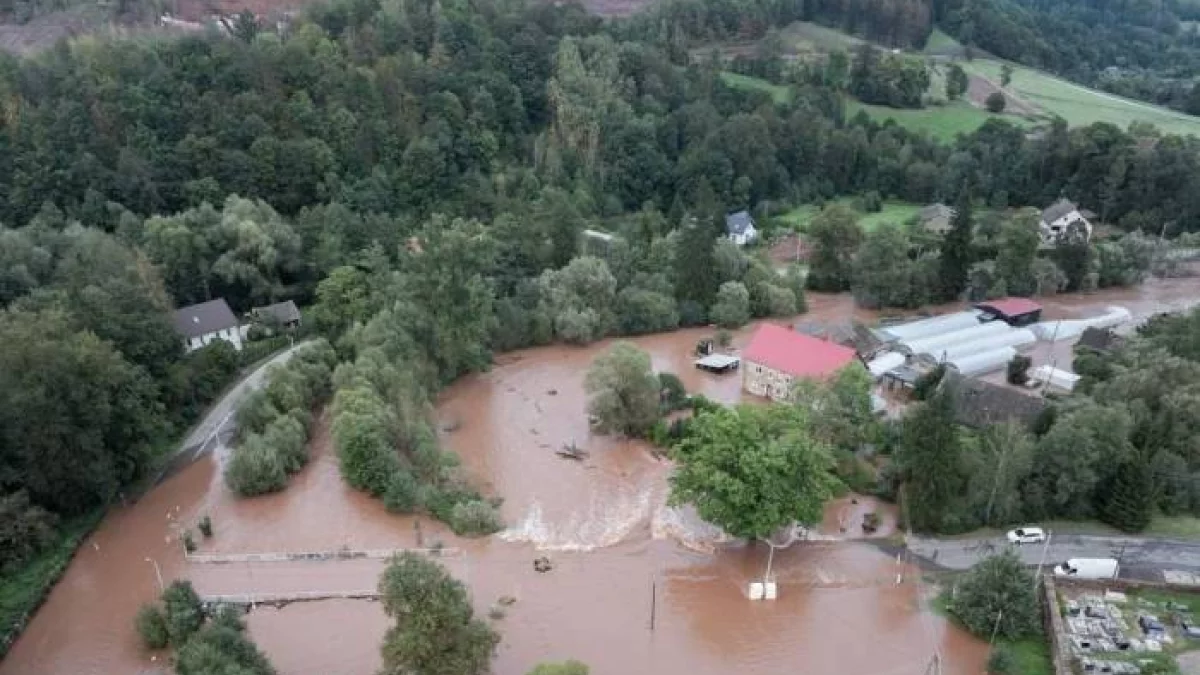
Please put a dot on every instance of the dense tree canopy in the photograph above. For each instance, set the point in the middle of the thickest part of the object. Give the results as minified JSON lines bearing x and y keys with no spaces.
{"x":753,"y":470}
{"x":435,"y":630}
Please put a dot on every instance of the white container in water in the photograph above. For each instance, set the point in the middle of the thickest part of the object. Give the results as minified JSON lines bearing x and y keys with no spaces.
{"x":762,"y":591}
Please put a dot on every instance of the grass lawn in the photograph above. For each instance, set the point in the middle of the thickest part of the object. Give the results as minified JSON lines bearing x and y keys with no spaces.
{"x":807,"y":36}
{"x":1079,"y":105}
{"x":1171,"y":527}
{"x":892,"y":212}
{"x":1032,"y":654}
{"x":23,"y":591}
{"x":942,"y":122}
{"x":940,"y":43}
{"x":779,"y":93}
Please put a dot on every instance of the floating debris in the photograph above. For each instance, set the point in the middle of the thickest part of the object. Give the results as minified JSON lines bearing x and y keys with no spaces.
{"x":572,"y":451}
{"x":542,"y":564}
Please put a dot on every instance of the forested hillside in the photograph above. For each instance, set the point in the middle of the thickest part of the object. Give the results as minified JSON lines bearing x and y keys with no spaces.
{"x":381,"y":158}
{"x":1147,"y":50}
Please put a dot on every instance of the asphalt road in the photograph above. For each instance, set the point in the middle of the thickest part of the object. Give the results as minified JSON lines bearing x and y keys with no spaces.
{"x":220,"y":417}
{"x":1140,"y":558}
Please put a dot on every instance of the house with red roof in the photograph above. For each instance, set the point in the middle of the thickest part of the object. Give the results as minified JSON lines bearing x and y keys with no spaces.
{"x":1012,"y":311}
{"x":776,"y":357}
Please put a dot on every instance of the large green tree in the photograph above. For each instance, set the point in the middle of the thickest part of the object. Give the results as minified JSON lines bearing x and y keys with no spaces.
{"x":957,"y":254}
{"x":753,"y":469}
{"x":835,"y":236}
{"x":623,"y":391}
{"x":435,"y":630}
{"x":998,"y":596}
{"x":930,"y":460}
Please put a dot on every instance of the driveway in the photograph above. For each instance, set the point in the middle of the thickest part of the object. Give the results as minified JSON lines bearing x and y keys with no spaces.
{"x":1140,"y":557}
{"x":219,"y":421}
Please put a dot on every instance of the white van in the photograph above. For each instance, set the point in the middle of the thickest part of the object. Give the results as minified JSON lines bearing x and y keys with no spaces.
{"x":1088,"y":568}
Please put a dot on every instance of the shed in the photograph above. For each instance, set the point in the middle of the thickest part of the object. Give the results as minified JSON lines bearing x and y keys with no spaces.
{"x":980,"y":404}
{"x":718,"y":363}
{"x":285,"y":313}
{"x":903,"y":378}
{"x":1013,"y":311}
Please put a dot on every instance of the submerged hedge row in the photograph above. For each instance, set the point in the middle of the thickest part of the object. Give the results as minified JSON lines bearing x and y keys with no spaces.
{"x":388,"y":449}
{"x":273,"y":422}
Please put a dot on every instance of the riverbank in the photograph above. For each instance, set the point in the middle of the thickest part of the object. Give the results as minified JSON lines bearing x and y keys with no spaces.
{"x":603,"y":522}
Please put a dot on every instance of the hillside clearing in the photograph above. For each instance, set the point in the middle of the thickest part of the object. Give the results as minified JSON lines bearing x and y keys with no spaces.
{"x":778,"y":92}
{"x":1079,"y":105}
{"x":943,"y":122}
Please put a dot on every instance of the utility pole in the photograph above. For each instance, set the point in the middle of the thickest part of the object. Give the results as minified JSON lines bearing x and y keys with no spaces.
{"x":1045,"y":550}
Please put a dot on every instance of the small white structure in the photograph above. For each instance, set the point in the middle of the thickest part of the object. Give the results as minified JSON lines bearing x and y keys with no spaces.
{"x":937,"y":325}
{"x":1061,"y":220}
{"x":760,"y":590}
{"x":739,"y":227}
{"x":200,"y":324}
{"x":718,"y":363}
{"x":1054,"y":377}
{"x":885,"y":362}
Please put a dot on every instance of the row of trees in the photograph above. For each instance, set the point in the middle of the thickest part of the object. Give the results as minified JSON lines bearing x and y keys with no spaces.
{"x":273,"y":422}
{"x":1121,"y":450}
{"x":995,"y":255}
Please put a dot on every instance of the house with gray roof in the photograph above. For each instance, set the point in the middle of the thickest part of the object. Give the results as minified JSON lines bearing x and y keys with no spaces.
{"x":978,"y":404}
{"x":200,"y":324}
{"x":739,"y":227}
{"x":937,"y":218}
{"x":1063,"y":220}
{"x":285,"y":314}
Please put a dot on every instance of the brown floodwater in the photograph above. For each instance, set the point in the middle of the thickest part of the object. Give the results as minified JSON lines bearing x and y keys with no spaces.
{"x":618,"y":550}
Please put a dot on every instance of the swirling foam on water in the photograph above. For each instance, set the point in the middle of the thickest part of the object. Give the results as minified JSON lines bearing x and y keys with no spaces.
{"x":604,"y":523}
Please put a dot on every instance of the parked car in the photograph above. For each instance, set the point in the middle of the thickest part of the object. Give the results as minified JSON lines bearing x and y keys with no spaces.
{"x":1189,"y":628}
{"x":1151,"y":626}
{"x":1088,"y":568}
{"x":1026,"y":535}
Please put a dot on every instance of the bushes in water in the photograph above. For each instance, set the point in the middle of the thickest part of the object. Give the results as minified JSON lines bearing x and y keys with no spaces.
{"x":152,"y":627}
{"x":390,"y":451}
{"x":204,"y":644}
{"x":183,"y":611}
{"x":273,"y":423}
{"x":474,"y":517}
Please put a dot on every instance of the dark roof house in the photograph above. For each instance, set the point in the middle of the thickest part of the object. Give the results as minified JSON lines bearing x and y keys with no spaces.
{"x":1057,"y":210}
{"x":739,"y":224}
{"x":1013,"y":311}
{"x":936,"y":218}
{"x":203,"y":319}
{"x":979,"y":404}
{"x":285,"y":313}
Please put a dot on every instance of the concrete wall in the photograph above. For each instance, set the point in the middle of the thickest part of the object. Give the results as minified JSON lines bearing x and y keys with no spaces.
{"x":1060,"y":652}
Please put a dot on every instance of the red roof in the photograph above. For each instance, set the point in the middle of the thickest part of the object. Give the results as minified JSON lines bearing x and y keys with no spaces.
{"x":794,"y":353}
{"x":1011,"y":306}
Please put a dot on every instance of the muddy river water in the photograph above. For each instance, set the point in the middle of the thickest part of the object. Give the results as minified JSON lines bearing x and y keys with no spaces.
{"x":844,"y":607}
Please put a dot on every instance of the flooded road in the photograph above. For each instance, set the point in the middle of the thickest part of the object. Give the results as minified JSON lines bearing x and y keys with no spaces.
{"x":602,"y":521}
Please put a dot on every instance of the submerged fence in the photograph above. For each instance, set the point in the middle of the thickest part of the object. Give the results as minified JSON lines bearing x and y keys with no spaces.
{"x":318,"y":556}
